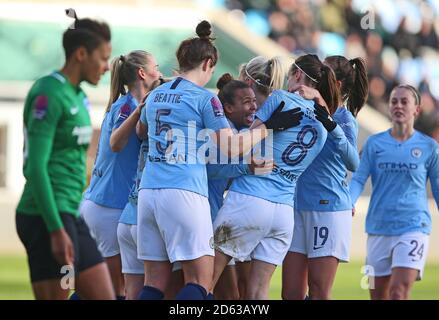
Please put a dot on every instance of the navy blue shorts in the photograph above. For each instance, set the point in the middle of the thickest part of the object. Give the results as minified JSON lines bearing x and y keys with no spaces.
{"x":35,"y":237}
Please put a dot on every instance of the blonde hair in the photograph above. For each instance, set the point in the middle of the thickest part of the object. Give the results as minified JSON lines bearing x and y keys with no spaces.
{"x":124,"y":72}
{"x":268,"y":74}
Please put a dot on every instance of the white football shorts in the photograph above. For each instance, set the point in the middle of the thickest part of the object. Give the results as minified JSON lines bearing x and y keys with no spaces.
{"x":408,"y":250}
{"x":102,"y":222}
{"x":250,"y":226}
{"x":322,"y":234}
{"x":174,"y":225}
{"x":127,"y":237}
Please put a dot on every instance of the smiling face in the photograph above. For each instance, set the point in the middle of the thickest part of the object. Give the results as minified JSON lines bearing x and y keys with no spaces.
{"x":95,"y":63}
{"x":403,"y":106}
{"x":243,"y":110}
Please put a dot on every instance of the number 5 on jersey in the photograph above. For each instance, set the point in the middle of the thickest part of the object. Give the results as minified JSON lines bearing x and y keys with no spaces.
{"x":159,"y":127}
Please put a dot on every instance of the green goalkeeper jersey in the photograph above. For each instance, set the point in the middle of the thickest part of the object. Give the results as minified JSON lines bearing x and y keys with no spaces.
{"x":57,"y":132}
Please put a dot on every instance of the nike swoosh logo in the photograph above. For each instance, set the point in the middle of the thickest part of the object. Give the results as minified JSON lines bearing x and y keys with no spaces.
{"x":316,"y":248}
{"x":74,"y":110}
{"x":379,"y":151}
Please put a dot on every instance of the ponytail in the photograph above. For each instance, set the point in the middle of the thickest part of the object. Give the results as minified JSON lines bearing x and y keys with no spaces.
{"x":320,"y":77}
{"x":124,"y":72}
{"x":327,"y":86}
{"x":277,"y":73}
{"x":358,"y":93}
{"x":354,"y":83}
{"x":117,"y":87}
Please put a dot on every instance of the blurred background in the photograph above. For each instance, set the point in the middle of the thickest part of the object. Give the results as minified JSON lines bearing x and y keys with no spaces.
{"x":398,"y":38}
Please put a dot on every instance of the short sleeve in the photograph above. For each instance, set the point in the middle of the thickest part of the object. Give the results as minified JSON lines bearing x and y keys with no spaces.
{"x":121,"y":115}
{"x":212,"y":114}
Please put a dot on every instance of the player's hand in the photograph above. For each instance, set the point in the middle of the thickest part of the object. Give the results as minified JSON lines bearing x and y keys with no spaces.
{"x":154,"y":85}
{"x":323,"y":116}
{"x":308,"y":92}
{"x":261,"y":166}
{"x":282,"y":120}
{"x":62,"y":247}
{"x":139,"y":108}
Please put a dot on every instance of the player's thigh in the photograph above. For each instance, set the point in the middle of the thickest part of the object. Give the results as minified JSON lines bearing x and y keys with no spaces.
{"x":379,"y":288}
{"x":379,"y":255}
{"x":43,"y":267}
{"x":127,"y":237}
{"x":321,"y":273}
{"x":133,"y":285}
{"x":94,"y":283}
{"x":298,"y":243}
{"x":199,"y":270}
{"x":227,"y":286}
{"x":185,"y":224}
{"x":102,"y":222}
{"x":294,"y":276}
{"x":260,"y":277}
{"x":240,"y":224}
{"x":410,"y":251}
{"x":328,"y":234}
{"x":150,"y":243}
{"x":274,"y":246}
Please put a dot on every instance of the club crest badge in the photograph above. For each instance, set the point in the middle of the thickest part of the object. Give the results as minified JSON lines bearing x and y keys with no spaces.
{"x":416,"y":153}
{"x":40,"y":107}
{"x":217,"y":107}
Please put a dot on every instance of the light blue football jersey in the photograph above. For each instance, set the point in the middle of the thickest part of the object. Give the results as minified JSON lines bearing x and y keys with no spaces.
{"x":293,"y":150}
{"x":176,"y":114}
{"x":219,"y":179}
{"x":113,"y":172}
{"x":323,"y":186}
{"x":399,"y":173}
{"x":129,"y":213}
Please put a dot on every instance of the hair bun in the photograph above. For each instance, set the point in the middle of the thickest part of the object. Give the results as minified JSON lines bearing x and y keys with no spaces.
{"x":71,"y":13}
{"x":203,"y":29}
{"x":223,"y":80}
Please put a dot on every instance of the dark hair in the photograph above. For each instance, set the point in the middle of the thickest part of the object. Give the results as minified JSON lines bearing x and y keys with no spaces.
{"x":413,"y":90}
{"x":193,"y":51}
{"x":354,"y":82}
{"x":84,"y":33}
{"x":320,"y":77}
{"x":227,"y":87}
